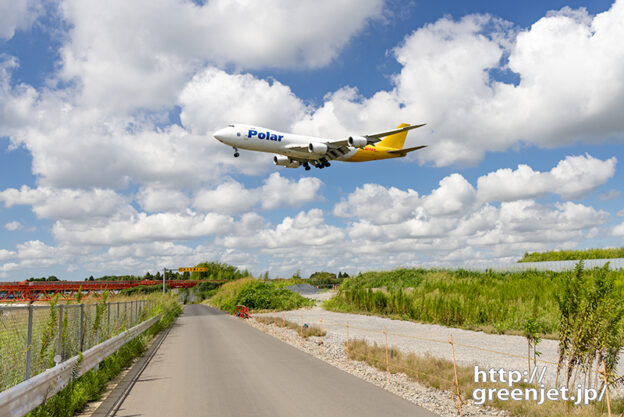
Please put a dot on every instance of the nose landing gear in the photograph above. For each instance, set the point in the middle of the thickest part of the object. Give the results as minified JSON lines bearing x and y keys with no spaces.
{"x":306,"y":166}
{"x":236,"y":154}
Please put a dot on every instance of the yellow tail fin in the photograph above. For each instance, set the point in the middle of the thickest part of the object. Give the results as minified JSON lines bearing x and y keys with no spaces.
{"x":395,"y":141}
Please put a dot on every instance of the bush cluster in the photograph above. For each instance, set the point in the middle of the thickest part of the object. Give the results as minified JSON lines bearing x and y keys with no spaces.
{"x":256,"y":295}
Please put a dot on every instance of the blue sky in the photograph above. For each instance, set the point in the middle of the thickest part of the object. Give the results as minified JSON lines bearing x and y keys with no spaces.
{"x":109,"y":167}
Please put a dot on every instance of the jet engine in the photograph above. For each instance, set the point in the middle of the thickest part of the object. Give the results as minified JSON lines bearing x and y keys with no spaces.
{"x":285,"y":161}
{"x":357,"y":141}
{"x":318,"y":148}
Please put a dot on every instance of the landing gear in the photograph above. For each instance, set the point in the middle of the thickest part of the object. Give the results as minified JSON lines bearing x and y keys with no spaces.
{"x":236,"y":154}
{"x":320,"y":163}
{"x":306,"y":166}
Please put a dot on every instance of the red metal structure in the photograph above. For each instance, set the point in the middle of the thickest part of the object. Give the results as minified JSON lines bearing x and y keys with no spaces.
{"x":46,"y":290}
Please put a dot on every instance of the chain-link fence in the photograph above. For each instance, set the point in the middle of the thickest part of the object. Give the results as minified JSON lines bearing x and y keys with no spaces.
{"x":33,"y":337}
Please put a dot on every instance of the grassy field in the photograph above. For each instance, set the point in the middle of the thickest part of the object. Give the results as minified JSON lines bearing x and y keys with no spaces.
{"x":573,"y":255}
{"x":257,"y":295}
{"x":494,"y":302}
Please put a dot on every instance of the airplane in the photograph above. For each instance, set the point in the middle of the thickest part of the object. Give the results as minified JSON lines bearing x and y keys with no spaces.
{"x":293,"y":150}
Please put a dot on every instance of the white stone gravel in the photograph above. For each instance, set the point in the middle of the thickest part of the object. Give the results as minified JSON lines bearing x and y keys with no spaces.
{"x":471,"y":347}
{"x":332,"y":350}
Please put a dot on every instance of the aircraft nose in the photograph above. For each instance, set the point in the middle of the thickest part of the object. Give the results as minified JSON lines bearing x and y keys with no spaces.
{"x":220,"y":134}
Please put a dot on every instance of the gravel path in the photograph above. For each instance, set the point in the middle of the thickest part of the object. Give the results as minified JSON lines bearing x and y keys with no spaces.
{"x":471,"y":347}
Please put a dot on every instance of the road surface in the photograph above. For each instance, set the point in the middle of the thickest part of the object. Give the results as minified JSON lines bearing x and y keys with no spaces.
{"x":212,"y":364}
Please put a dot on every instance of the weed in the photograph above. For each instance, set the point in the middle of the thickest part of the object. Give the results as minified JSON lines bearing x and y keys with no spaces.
{"x":304,"y":331}
{"x":438,"y":373}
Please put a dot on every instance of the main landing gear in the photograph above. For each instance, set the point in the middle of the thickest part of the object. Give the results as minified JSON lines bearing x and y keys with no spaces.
{"x":236,"y":154}
{"x":322,"y":163}
{"x":306,"y":166}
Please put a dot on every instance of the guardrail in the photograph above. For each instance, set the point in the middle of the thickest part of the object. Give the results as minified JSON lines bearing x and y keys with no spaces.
{"x":21,"y":399}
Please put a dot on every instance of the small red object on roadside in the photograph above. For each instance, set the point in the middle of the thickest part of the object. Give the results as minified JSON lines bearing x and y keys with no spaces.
{"x":241,"y":311}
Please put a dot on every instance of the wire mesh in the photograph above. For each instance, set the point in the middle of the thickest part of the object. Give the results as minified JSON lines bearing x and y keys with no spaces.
{"x":13,"y":346}
{"x":44,"y":333}
{"x":64,"y":330}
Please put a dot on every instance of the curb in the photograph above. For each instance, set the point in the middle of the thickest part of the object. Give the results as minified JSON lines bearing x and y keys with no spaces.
{"x":115,"y":399}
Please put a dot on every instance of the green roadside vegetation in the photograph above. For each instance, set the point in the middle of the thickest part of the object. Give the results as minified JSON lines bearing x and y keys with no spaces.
{"x":92,"y":384}
{"x":573,"y":255}
{"x":257,"y":295}
{"x":495,"y":302}
{"x":438,"y":373}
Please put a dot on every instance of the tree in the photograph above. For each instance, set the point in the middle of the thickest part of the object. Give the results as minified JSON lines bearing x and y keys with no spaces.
{"x":218,"y":271}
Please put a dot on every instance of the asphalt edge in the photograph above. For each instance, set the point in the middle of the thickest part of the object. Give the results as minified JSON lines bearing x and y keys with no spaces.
{"x":115,"y":399}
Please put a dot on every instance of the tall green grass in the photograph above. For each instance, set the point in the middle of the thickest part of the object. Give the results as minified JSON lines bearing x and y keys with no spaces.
{"x":256,"y":295}
{"x":573,"y":255}
{"x":491,"y":301}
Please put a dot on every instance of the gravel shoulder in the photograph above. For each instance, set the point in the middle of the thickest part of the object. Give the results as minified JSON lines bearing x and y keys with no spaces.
{"x":332,"y":351}
{"x":471,"y":347}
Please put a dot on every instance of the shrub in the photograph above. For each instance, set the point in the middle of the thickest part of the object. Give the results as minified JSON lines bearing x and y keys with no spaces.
{"x":256,"y":295}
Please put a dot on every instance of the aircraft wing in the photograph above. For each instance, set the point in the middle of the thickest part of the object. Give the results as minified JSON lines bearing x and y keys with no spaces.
{"x":336,"y":149}
{"x":340,"y":147}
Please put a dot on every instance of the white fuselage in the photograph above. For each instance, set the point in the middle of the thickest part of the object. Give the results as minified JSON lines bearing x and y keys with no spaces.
{"x":255,"y":138}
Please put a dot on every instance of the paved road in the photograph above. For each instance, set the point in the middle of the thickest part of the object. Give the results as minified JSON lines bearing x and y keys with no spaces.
{"x":212,"y":364}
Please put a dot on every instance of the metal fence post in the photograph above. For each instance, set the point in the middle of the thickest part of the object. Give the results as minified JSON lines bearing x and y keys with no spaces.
{"x":29,"y":340}
{"x":81,"y":328}
{"x":108,"y":330}
{"x":59,"y":349}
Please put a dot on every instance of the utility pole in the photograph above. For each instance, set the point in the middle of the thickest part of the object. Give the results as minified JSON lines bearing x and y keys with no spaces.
{"x":164,"y":273}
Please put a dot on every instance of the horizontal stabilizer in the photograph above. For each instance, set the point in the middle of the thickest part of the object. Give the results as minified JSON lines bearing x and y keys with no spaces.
{"x":405,"y":151}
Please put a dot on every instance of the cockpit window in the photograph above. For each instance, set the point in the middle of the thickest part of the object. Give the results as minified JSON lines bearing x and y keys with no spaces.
{"x":230,"y":125}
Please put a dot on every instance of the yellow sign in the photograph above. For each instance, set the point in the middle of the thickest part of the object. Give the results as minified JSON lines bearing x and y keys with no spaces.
{"x":194,"y":269}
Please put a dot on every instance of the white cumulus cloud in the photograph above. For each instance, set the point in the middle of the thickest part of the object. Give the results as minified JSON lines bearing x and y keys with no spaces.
{"x":568,"y":66}
{"x":139,"y":54}
{"x":13,"y":226}
{"x":18,"y":15}
{"x":573,"y":177}
{"x":276,"y":192}
{"x":143,"y":228}
{"x":51,"y":203}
